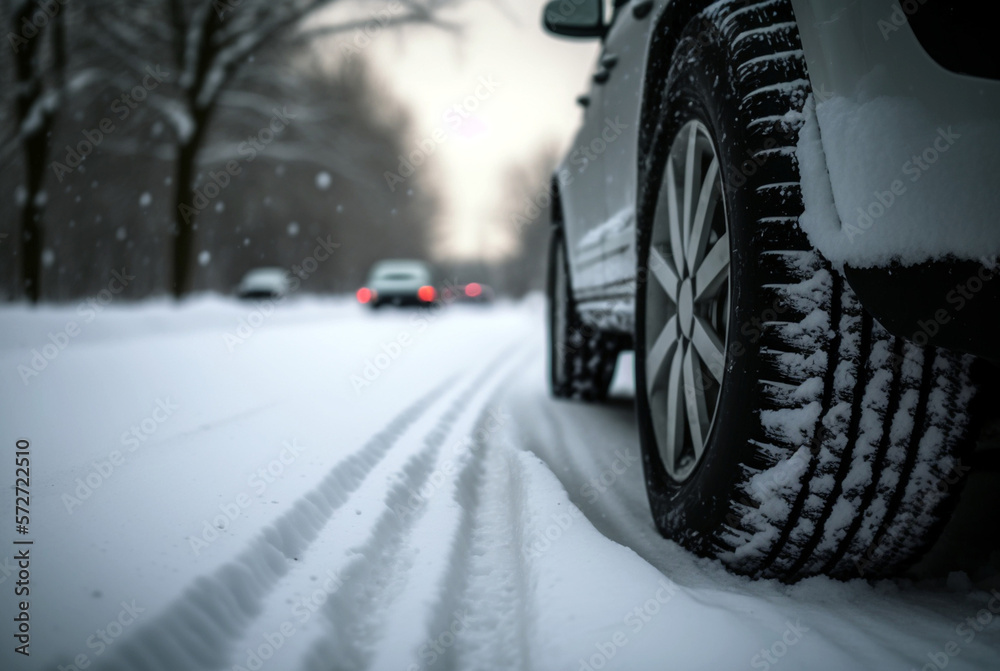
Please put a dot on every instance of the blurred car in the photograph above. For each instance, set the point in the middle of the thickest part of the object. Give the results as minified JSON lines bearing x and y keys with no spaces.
{"x":264,"y":283}
{"x":398,"y":282}
{"x":737,"y":208}
{"x":473,"y":292}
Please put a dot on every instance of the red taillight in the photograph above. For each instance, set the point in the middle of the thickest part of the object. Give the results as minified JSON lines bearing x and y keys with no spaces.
{"x":426,"y":293}
{"x":473,"y":289}
{"x":364,"y":295}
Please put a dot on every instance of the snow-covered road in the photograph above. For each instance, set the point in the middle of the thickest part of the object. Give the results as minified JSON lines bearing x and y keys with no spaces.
{"x":217,"y":486}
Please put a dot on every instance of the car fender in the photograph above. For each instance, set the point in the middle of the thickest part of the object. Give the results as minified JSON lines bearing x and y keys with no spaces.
{"x":899,"y":155}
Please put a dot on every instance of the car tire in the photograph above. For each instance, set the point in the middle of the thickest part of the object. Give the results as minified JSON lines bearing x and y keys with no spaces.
{"x":581,"y":358}
{"x":831,"y":446}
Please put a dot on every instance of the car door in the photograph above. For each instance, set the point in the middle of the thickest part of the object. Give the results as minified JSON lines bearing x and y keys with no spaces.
{"x":581,"y":185}
{"x":624,"y":67}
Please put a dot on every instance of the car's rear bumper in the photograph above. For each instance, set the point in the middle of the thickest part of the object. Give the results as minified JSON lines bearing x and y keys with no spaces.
{"x":390,"y":298}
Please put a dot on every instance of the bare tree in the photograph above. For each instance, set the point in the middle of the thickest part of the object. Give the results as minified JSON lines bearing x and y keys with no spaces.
{"x":37,"y":38}
{"x":208,"y":42}
{"x":43,"y":37}
{"x":320,"y":177}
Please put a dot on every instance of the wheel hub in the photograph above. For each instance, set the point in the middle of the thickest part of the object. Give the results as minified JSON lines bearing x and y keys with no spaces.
{"x":685,"y":308}
{"x":687,"y":301}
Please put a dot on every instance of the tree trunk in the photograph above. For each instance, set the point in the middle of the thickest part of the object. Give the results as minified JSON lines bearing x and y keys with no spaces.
{"x":35,"y":144}
{"x":33,"y":147}
{"x":185,"y":209}
{"x":32,"y":241}
{"x":183,"y":230}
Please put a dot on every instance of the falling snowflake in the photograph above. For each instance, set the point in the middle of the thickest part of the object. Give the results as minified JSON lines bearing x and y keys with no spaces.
{"x":145,"y":199}
{"x":220,"y":206}
{"x":340,"y":208}
{"x":293,"y":228}
{"x":121,"y":233}
{"x":48,"y":257}
{"x":204,"y":257}
{"x":323,"y":180}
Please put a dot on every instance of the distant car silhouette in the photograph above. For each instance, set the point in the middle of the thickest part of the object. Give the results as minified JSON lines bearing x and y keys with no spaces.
{"x":398,"y":282}
{"x":264,"y":283}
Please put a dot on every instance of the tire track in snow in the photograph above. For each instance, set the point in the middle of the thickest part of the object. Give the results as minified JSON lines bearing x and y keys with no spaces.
{"x":456,"y":575}
{"x":381,"y":571}
{"x":195,"y":630}
{"x":444,"y":590}
{"x":496,"y":595}
{"x":571,"y":438}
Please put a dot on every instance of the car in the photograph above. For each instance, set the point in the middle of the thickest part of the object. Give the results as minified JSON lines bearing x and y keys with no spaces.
{"x":398,"y":282}
{"x":788,"y":210}
{"x":471,"y":292}
{"x":264,"y":283}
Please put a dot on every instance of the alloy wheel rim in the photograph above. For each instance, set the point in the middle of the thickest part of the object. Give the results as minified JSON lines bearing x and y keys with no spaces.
{"x":687,"y":301}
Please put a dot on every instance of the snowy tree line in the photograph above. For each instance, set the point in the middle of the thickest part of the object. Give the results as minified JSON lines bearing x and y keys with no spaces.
{"x":192,"y":140}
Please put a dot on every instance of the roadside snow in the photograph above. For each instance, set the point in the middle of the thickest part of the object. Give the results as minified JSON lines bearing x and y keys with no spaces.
{"x":242,"y":504}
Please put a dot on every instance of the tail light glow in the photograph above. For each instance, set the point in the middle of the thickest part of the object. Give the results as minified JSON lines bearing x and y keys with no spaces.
{"x":364,"y":295}
{"x":426,"y":293}
{"x":473,"y":289}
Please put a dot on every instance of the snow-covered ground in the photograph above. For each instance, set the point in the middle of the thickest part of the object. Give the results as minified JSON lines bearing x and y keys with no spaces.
{"x":218,"y":486}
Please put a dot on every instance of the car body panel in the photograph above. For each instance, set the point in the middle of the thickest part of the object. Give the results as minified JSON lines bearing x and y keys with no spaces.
{"x":627,"y":42}
{"x":598,"y":197}
{"x":881,"y":100}
{"x":911,"y":148}
{"x":580,"y":176}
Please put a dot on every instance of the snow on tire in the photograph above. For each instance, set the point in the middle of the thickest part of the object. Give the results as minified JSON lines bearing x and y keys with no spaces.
{"x":836,"y":448}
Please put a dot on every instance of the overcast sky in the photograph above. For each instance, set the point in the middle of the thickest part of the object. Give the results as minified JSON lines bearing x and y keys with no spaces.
{"x":530,"y":101}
